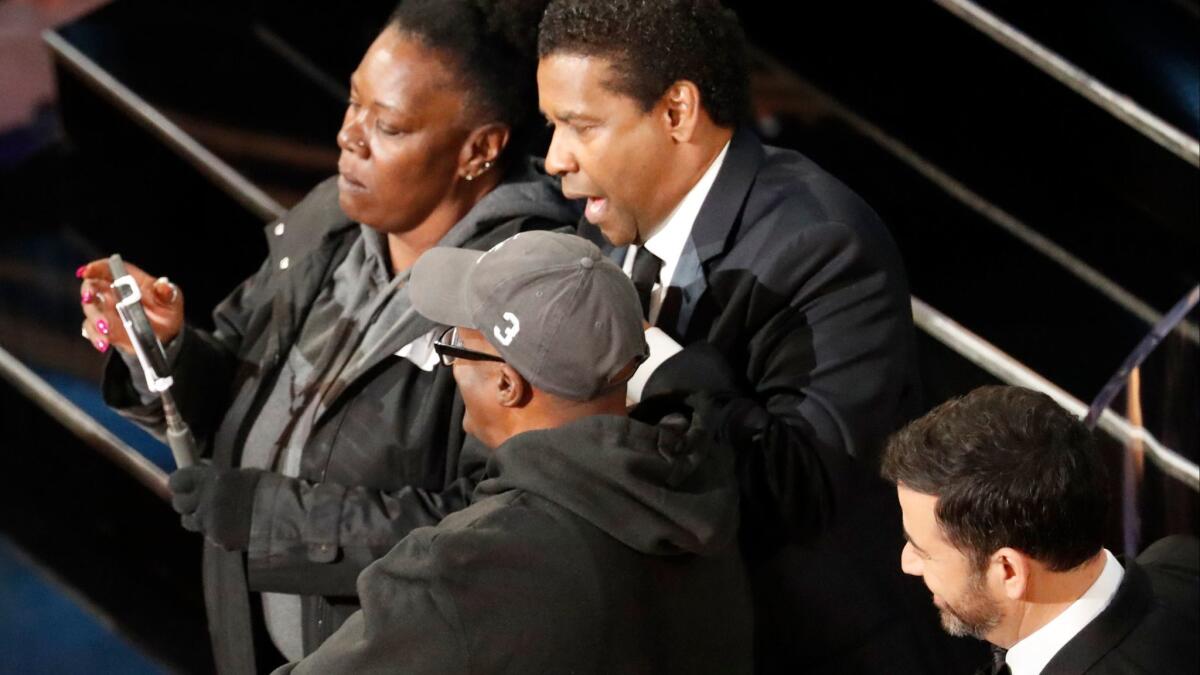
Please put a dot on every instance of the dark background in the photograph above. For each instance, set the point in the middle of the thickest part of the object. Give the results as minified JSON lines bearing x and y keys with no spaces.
{"x":882,"y":94}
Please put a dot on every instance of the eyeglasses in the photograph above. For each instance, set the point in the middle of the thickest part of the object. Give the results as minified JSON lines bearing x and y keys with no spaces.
{"x":449,"y":347}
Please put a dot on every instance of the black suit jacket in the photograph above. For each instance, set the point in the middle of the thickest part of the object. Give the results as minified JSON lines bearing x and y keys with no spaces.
{"x":1152,"y":624}
{"x":791,"y":301}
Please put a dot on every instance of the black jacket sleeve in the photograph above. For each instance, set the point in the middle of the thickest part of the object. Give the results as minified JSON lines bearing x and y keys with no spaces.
{"x":408,"y":624}
{"x":315,"y":538}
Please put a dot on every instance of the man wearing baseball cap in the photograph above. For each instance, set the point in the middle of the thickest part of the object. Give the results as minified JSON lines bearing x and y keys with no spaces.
{"x":596,"y":543}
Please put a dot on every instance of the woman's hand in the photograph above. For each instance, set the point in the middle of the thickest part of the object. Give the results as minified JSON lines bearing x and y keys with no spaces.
{"x":162,"y":300}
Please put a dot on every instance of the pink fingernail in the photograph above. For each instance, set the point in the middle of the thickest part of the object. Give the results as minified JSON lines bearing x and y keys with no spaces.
{"x":102,"y":326}
{"x":79,"y":272}
{"x":87,"y":297}
{"x":101,"y":345}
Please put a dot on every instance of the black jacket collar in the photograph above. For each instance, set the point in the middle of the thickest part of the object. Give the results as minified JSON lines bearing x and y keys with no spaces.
{"x":316,"y":218}
{"x":715,"y":225}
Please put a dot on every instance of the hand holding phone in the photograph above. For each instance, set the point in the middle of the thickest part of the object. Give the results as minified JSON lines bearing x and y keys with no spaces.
{"x":162,"y":302}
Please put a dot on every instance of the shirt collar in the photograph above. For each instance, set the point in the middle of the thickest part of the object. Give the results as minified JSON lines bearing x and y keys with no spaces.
{"x":1030,"y":656}
{"x":669,"y":238}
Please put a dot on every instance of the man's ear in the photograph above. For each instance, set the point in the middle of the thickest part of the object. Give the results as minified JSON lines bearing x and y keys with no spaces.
{"x":482,"y":149}
{"x":1009,"y":571}
{"x":681,"y":112}
{"x":512,"y":390}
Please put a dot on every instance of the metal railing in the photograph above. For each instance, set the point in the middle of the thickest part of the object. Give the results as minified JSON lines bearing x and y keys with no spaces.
{"x":233,"y":182}
{"x":303,"y":65}
{"x":999,"y":217}
{"x":937,"y":325}
{"x":1010,"y":371}
{"x":974,"y":348}
{"x":83,"y":425}
{"x":1114,"y":102}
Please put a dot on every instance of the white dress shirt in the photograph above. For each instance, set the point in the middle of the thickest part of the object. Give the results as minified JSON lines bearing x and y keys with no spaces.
{"x":667,"y":243}
{"x":1030,"y":656}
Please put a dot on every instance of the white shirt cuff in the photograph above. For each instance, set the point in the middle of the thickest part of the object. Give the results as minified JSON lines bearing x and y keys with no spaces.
{"x":662,"y":347}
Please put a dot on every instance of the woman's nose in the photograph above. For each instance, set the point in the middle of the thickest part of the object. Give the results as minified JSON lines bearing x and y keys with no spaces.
{"x":351,"y":137}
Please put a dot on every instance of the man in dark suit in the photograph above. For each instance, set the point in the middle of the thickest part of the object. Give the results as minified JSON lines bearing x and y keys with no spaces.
{"x":1004,"y":498}
{"x":776,"y":303}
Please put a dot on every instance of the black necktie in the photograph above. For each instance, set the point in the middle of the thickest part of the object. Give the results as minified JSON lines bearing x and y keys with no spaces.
{"x":646,"y":267}
{"x":999,"y":666}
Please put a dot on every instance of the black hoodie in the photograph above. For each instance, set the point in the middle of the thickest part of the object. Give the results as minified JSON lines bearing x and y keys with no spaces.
{"x":603,"y":546}
{"x":386,"y":455}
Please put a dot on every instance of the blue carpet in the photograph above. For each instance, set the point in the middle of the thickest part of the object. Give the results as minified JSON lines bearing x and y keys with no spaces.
{"x":86,"y":395}
{"x":44,"y":631}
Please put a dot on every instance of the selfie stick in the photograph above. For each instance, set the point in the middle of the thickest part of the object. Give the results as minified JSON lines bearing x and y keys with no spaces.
{"x":153,"y":359}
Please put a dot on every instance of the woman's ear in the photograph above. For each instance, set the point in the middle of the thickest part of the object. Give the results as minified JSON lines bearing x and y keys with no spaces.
{"x":482,"y":149}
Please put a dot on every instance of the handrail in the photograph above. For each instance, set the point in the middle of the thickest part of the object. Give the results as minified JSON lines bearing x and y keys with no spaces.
{"x":1007,"y":369}
{"x":1140,"y":353}
{"x":1114,"y":102}
{"x":304,"y":65}
{"x":83,"y":425}
{"x":150,"y":118}
{"x":977,"y":203}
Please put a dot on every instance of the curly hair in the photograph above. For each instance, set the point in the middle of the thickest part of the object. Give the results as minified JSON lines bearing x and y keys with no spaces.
{"x":652,"y":44}
{"x":1009,"y":468}
{"x":492,"y":44}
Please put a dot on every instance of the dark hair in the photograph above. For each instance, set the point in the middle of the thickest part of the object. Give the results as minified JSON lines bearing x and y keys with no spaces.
{"x":1009,"y":468}
{"x":654,"y":43}
{"x":493,"y":46}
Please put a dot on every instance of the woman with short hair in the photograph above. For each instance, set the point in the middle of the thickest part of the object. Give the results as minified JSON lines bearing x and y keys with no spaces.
{"x":330,"y":433}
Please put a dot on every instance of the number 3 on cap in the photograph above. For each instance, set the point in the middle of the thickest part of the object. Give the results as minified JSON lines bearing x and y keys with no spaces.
{"x":510,"y":332}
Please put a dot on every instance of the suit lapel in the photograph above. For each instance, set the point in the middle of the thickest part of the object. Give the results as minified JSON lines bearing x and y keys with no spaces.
{"x":714,"y":226}
{"x":714,"y":229}
{"x":1106,"y":631}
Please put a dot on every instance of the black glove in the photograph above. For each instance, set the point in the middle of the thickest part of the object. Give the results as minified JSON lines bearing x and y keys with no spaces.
{"x":698,"y":367}
{"x":700,"y":378}
{"x":216,"y":502}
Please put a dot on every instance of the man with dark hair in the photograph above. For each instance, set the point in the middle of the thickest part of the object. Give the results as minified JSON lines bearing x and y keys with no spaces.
{"x":777,"y":302}
{"x":596,"y":544}
{"x":1004,"y":497}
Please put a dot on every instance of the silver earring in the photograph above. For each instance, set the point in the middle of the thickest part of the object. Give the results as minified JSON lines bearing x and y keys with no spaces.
{"x":486,"y":165}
